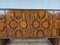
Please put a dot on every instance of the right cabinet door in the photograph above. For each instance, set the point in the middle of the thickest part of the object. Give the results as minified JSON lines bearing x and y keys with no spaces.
{"x":40,"y":23}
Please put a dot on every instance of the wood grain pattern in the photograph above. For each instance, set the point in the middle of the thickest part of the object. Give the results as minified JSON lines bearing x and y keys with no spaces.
{"x":56,"y":25}
{"x":3,"y":26}
{"x":29,"y":24}
{"x":33,"y":23}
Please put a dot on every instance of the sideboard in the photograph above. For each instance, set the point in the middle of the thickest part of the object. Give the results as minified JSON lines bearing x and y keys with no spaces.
{"x":30,"y":23}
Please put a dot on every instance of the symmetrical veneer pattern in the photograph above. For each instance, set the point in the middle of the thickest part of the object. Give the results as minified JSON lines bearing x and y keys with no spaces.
{"x":29,"y":23}
{"x":16,"y":23}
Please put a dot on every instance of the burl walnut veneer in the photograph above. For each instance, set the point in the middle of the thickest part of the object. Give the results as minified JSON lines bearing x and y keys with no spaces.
{"x":30,"y":23}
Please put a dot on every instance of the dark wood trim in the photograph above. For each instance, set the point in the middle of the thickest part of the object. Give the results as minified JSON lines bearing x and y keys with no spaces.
{"x":29,"y":9}
{"x":54,"y":41}
{"x":3,"y":41}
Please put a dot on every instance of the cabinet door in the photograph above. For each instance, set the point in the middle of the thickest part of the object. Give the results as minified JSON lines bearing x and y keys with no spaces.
{"x":40,"y":23}
{"x":3,"y":33}
{"x":45,"y":19}
{"x":56,"y":24}
{"x":17,"y":23}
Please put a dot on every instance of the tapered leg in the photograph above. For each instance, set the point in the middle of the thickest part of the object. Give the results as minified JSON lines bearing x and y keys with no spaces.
{"x":55,"y":41}
{"x":3,"y":41}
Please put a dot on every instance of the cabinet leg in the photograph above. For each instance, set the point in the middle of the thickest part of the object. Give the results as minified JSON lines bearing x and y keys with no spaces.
{"x":55,"y":41}
{"x":3,"y":41}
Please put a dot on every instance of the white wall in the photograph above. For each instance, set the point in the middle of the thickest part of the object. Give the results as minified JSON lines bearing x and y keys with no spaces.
{"x":31,"y":4}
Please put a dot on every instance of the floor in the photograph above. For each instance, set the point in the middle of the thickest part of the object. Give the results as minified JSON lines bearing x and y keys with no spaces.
{"x":29,"y":42}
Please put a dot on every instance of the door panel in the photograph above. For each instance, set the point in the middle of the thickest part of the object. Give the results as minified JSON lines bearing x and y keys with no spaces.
{"x":45,"y":24}
{"x":17,"y":23}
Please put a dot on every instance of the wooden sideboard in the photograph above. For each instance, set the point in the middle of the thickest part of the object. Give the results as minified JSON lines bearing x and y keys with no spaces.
{"x":30,"y":23}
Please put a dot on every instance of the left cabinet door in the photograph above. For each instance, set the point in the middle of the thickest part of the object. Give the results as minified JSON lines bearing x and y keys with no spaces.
{"x":3,"y":32}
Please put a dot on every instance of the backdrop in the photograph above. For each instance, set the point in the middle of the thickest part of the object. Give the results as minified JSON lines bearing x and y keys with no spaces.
{"x":30,"y":4}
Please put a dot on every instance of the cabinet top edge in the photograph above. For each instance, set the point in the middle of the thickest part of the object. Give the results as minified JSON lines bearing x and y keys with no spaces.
{"x":30,"y":9}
